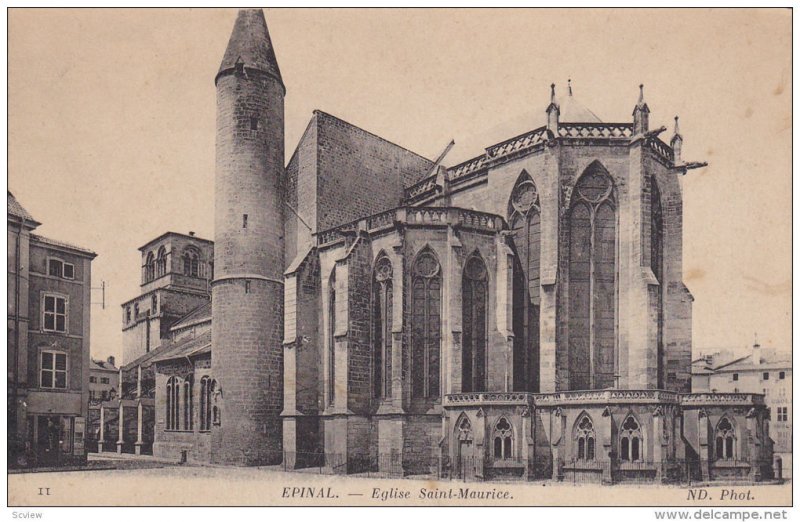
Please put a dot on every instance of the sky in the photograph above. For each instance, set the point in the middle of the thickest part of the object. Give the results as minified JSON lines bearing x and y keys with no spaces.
{"x":111,"y":122}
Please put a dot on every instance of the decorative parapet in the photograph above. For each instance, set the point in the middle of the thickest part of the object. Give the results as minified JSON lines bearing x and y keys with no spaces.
{"x":412,"y":216}
{"x":596,"y":130}
{"x":488,"y":399}
{"x":606,"y":397}
{"x":722,"y":399}
{"x":518,"y":143}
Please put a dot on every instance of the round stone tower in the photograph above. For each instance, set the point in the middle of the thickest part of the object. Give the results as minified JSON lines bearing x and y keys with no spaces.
{"x":247,"y":292}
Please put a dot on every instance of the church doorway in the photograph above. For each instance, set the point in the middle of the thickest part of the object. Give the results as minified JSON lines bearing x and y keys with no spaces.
{"x":466,"y":460}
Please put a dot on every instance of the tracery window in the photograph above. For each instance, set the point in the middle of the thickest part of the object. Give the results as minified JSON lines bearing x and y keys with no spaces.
{"x":584,"y":435}
{"x":205,"y":403}
{"x":724,"y":439}
{"x":502,"y":438}
{"x":474,"y":298}
{"x":525,"y":219}
{"x":188,"y":423}
{"x":657,"y":266}
{"x":382,"y":327}
{"x":173,"y":401}
{"x":161,"y":262}
{"x":426,"y":289}
{"x":464,"y":429}
{"x":592,"y":281}
{"x":191,"y":263}
{"x":630,"y":440}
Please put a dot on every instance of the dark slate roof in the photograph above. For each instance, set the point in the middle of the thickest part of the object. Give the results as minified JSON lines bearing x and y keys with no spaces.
{"x":61,"y":244}
{"x":201,"y":314}
{"x":18,"y":211}
{"x":251,"y":45}
{"x":103,"y":366}
{"x":186,"y":348}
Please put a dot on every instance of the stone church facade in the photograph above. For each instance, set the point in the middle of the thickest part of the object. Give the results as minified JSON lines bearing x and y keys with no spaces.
{"x":520,"y":314}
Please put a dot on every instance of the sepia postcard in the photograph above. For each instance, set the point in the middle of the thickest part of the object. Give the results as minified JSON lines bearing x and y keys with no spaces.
{"x":400,"y":257}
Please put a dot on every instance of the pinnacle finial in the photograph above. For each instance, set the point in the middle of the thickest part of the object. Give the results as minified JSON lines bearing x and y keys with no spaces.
{"x":677,"y":128}
{"x":552,"y":92}
{"x":569,"y":86}
{"x":641,"y":93}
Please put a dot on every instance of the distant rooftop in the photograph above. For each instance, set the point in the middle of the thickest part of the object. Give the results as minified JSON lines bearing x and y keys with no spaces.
{"x":16,"y":210}
{"x":62,"y":244}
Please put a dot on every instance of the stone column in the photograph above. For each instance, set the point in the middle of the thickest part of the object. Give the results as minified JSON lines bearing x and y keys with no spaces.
{"x":657,"y":450}
{"x":605,"y":435}
{"x":121,"y":422}
{"x":139,"y":424}
{"x":101,"y":436}
{"x":704,"y":448}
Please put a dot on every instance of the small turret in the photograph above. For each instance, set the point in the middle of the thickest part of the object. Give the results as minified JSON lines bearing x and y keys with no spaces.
{"x":677,"y":143}
{"x":641,"y":114}
{"x":553,"y":111}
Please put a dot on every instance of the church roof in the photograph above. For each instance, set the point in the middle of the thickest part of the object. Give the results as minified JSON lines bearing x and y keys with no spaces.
{"x":201,"y":314}
{"x":186,"y":348}
{"x":573,"y":111}
{"x":251,"y":45}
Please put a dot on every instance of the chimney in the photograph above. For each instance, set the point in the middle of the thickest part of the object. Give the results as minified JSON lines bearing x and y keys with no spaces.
{"x":191,"y":233}
{"x":756,"y":353}
{"x":111,"y":360}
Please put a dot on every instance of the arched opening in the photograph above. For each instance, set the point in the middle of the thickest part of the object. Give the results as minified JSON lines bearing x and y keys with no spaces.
{"x":724,"y":438}
{"x":331,"y":340}
{"x":426,"y":290}
{"x":585,"y":437}
{"x":592,"y":281}
{"x":630,"y":440}
{"x":474,"y":302}
{"x":502,"y":438}
{"x":382,"y":327}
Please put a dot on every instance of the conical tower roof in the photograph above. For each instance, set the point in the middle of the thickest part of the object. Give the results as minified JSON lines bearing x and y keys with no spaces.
{"x":250,"y":45}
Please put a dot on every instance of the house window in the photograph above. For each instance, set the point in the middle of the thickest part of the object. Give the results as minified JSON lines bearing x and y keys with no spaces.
{"x":104,"y":380}
{"x":724,"y":439}
{"x":502,"y":438}
{"x":188,"y":423}
{"x":735,"y":376}
{"x":54,"y":313}
{"x":93,"y":379}
{"x":474,"y":297}
{"x":584,"y":435}
{"x":54,"y":370}
{"x":205,"y":403}
{"x":765,"y":376}
{"x":69,"y":271}
{"x":426,"y":290}
{"x":382,"y":328}
{"x":781,"y":375}
{"x":783,"y":414}
{"x":630,"y":441}
{"x":592,"y":285}
{"x":524,"y":216}
{"x":173,"y":402}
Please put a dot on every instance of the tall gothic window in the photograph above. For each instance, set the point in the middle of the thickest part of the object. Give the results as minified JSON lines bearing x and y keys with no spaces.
{"x":525,"y":219}
{"x":331,"y":340}
{"x":657,"y":266}
{"x":502,"y":438}
{"x":474,"y":298}
{"x":584,"y":435}
{"x":161,"y":262}
{"x":173,"y":403}
{"x":592,"y":275}
{"x":188,"y":423}
{"x":724,"y":439}
{"x":205,"y":403}
{"x":630,"y":440}
{"x":426,"y":290}
{"x":382,"y":327}
{"x":149,"y":268}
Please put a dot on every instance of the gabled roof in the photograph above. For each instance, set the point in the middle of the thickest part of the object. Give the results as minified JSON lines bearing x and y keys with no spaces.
{"x":201,"y":314}
{"x":15,"y":209}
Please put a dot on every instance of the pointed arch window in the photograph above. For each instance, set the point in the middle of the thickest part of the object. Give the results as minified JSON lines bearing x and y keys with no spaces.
{"x":161,"y":262}
{"x":592,"y":281}
{"x":426,"y":290}
{"x":524,"y":216}
{"x":464,"y":429}
{"x":724,"y":439}
{"x":331,"y":340}
{"x":474,"y":299}
{"x":657,"y":266}
{"x":502,"y":438}
{"x":150,"y":268}
{"x":173,"y":403}
{"x":382,"y":327}
{"x":205,"y":403}
{"x":630,"y":440}
{"x":585,"y":438}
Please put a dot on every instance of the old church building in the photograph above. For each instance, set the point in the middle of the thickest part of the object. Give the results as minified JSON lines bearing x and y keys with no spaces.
{"x":519,"y":314}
